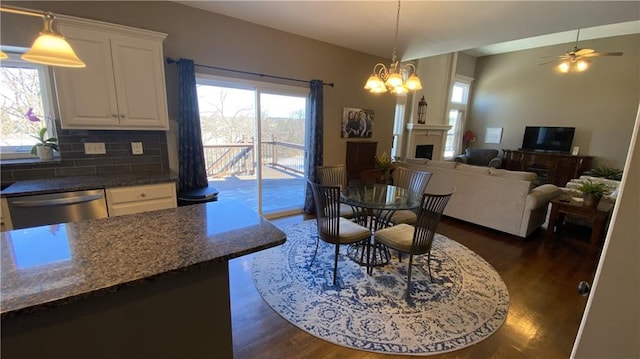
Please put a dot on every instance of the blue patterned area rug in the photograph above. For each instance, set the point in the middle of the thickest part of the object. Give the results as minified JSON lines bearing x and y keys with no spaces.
{"x":466,"y":303}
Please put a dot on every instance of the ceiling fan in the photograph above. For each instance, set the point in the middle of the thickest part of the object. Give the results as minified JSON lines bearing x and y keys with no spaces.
{"x":577,"y":60}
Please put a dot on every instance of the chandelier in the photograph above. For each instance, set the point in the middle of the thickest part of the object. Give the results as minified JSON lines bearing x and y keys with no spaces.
{"x":399,"y":79}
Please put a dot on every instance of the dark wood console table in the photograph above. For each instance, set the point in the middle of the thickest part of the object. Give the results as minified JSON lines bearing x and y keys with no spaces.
{"x":555,"y":168}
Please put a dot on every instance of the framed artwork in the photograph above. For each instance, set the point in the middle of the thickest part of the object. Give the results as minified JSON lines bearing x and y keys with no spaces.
{"x":493,"y":135}
{"x":356,"y":123}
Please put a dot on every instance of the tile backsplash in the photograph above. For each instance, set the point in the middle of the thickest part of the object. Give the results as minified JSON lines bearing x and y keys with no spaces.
{"x":73,"y":161}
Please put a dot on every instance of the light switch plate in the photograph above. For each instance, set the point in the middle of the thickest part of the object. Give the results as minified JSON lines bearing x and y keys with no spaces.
{"x":94,"y":148}
{"x":136,"y":148}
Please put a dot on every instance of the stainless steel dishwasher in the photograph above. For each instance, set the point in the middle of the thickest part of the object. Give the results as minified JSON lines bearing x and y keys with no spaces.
{"x":43,"y":209}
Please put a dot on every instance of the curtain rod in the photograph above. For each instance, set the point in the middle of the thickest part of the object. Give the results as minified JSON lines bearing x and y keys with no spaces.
{"x":172,"y":61}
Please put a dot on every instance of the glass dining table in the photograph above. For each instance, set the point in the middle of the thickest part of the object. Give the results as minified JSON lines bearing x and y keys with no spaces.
{"x":373,"y":206}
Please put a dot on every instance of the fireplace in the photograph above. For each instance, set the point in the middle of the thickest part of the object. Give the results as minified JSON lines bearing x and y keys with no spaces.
{"x":424,"y":151}
{"x":426,"y":141}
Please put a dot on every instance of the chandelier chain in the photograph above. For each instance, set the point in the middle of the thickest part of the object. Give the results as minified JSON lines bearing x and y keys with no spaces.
{"x":395,"y":41}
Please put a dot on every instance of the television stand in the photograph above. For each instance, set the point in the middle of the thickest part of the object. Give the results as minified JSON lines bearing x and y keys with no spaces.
{"x":550,"y":167}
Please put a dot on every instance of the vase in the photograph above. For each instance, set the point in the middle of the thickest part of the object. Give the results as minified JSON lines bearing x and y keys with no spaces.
{"x":590,"y":200}
{"x":44,"y":152}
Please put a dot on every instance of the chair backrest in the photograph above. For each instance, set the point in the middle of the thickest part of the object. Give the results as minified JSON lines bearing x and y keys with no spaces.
{"x":327,"y":199}
{"x":429,"y":213}
{"x":332,"y":175}
{"x":480,"y":156}
{"x":414,"y":181}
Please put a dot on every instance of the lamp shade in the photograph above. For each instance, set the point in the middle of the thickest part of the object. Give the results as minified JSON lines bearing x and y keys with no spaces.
{"x":52,"y":49}
{"x":394,"y":80}
{"x":413,"y":83}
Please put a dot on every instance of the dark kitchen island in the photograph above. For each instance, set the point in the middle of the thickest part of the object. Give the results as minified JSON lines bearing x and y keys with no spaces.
{"x":148,"y":285}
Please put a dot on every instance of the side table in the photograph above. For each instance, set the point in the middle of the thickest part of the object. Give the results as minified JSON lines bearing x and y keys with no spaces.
{"x":566,"y":205}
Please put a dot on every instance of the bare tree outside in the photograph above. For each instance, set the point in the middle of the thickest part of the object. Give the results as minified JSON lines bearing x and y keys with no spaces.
{"x":20,"y":90}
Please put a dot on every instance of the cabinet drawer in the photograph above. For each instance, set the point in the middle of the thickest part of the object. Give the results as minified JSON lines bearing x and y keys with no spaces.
{"x":140,"y":193}
{"x":137,"y":199}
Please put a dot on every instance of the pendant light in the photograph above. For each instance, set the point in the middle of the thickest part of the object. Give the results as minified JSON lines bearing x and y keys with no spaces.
{"x":50,"y":48}
{"x":383,"y":79}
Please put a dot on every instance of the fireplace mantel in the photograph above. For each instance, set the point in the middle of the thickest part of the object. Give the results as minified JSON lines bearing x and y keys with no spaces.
{"x":427,"y":134}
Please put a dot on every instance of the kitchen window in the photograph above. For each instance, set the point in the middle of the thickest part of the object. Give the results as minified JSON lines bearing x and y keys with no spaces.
{"x":24,"y":86}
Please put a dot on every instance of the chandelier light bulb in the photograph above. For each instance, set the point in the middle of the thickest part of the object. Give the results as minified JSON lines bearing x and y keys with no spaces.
{"x":413,"y":83}
{"x":394,"y":80}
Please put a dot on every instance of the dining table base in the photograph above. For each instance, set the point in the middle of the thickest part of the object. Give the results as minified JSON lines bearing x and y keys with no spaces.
{"x":369,"y":254}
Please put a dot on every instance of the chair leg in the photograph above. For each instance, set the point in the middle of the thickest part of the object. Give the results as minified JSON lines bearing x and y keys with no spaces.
{"x":316,"y":251}
{"x":409,"y":276}
{"x":335,"y":265}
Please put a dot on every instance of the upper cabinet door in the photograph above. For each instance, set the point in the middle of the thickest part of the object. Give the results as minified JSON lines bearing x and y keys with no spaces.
{"x":123,"y":85}
{"x":139,"y":73}
{"x":87,"y":96}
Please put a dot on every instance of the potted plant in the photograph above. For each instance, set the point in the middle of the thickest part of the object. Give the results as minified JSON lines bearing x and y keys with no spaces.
{"x":45,"y":146}
{"x":592,"y":192}
{"x":384,"y":163}
{"x":606,"y":172}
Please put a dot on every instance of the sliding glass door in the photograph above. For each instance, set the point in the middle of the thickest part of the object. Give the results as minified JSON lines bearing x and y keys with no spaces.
{"x":254,"y":139}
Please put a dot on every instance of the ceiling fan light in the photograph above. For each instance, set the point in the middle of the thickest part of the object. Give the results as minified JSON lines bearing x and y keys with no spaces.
{"x":413,"y":83}
{"x":564,"y":67}
{"x":581,"y":66}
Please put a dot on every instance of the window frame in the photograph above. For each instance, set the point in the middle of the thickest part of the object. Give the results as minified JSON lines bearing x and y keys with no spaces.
{"x":48,"y":97}
{"x":456,"y":129}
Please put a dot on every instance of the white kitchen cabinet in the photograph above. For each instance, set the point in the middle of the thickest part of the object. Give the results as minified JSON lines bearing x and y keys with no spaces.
{"x":123,"y":85}
{"x":5,"y":217}
{"x":136,"y":199}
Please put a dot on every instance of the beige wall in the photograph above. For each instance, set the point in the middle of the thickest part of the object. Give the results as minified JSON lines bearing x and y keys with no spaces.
{"x":435,"y":75}
{"x":512,"y":91}
{"x":216,"y":40}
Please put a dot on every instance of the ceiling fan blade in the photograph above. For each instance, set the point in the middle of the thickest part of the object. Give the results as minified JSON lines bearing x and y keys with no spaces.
{"x":582,"y":52}
{"x":596,"y":54}
{"x":556,"y":57}
{"x":548,"y":62}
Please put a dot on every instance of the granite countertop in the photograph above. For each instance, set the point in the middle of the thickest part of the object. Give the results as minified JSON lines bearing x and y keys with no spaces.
{"x":51,"y":265}
{"x":81,"y":183}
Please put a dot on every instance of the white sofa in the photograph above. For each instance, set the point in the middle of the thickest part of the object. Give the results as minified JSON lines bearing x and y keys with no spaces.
{"x":503,"y":200}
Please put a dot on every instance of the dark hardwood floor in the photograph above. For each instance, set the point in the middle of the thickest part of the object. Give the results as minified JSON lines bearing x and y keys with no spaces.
{"x":541,"y":275}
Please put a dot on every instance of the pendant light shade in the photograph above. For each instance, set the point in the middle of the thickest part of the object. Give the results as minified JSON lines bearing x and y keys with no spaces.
{"x":49,"y":48}
{"x":52,"y":49}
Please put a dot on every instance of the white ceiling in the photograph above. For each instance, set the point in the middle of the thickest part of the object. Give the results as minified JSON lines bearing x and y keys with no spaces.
{"x":429,"y":28}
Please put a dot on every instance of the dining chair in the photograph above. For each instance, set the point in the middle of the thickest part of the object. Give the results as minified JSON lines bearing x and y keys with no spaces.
{"x":335,"y":176}
{"x":417,"y":239}
{"x":414,"y":181}
{"x":332,"y":228}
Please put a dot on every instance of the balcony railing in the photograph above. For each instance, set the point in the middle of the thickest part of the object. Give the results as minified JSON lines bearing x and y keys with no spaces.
{"x":234,"y":159}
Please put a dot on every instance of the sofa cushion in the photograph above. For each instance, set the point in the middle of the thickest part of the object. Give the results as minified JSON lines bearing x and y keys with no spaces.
{"x":472,"y":169}
{"x":442,"y":164}
{"x":520,"y":175}
{"x":416,"y":161}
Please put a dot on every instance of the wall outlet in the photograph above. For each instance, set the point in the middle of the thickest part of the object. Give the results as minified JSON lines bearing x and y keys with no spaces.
{"x":136,"y":148}
{"x":94,"y":148}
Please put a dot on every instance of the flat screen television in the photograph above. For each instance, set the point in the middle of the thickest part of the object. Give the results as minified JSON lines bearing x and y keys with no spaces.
{"x":548,"y":139}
